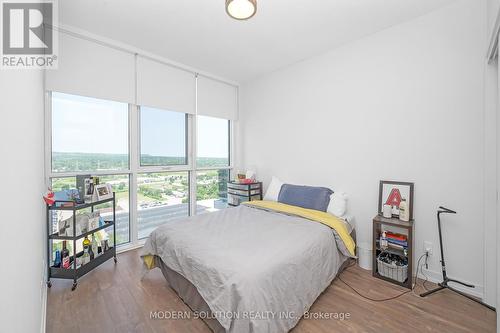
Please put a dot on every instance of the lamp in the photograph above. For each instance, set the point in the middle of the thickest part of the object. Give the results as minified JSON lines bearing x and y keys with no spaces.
{"x":241,"y":9}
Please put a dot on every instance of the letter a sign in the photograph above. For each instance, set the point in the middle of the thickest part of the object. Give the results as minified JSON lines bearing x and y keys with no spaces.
{"x":394,"y":198}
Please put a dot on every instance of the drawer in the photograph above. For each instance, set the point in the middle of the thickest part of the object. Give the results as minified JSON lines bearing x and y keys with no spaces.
{"x":255,"y":192}
{"x":241,"y":187}
{"x":236,"y":200}
{"x":237,"y":192}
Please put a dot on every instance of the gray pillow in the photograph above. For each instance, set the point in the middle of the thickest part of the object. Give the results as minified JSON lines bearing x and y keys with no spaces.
{"x":309,"y":197}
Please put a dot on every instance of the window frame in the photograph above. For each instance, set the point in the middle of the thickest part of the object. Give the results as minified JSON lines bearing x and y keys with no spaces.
{"x":134,"y":166}
{"x":50,"y":174}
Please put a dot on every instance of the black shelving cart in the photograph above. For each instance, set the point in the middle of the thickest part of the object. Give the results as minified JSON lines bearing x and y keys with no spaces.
{"x":75,"y":272}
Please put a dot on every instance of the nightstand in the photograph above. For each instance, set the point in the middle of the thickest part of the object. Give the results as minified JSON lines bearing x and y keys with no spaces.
{"x":241,"y":192}
{"x":395,"y":225}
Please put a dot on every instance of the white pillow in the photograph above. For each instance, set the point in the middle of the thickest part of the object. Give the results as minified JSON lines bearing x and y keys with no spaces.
{"x":273,"y":190}
{"x":338,"y":204}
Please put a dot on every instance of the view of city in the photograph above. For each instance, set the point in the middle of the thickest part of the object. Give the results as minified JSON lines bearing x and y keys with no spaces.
{"x":160,"y":196}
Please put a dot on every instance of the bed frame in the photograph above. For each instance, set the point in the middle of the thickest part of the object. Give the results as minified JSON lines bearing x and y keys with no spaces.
{"x":192,"y":298}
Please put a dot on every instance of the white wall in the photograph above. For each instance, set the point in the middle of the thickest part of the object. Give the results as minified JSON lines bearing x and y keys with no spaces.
{"x":491,"y":148}
{"x":490,"y":181}
{"x":413,"y":92}
{"x":492,"y":233}
{"x":492,"y":7}
{"x":23,"y":224}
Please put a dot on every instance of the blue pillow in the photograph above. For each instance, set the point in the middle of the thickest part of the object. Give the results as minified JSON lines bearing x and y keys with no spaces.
{"x":309,"y":197}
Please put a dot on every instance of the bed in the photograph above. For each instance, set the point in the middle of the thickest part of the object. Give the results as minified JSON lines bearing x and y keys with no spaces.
{"x":254,"y":268}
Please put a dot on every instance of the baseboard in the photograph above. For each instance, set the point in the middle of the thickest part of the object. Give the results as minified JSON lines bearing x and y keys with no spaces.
{"x":43,"y":323}
{"x":436,"y":277}
{"x":129,"y":247}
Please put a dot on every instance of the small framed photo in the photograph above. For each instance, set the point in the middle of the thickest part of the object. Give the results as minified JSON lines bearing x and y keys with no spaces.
{"x":103,"y":191}
{"x":392,"y":192}
{"x":93,"y":220}
{"x":65,"y":227}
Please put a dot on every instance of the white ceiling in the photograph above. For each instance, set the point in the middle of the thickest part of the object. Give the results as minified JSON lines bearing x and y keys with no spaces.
{"x":198,"y":33}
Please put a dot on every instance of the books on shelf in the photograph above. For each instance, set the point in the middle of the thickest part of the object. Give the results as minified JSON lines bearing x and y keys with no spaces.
{"x":395,"y":236}
{"x":397,"y":247}
{"x":397,"y":242}
{"x":394,"y":240}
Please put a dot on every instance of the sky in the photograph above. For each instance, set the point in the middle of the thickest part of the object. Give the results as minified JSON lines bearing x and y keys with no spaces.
{"x":88,"y":125}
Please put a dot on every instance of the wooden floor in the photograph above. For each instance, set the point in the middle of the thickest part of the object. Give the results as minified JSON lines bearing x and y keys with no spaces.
{"x":114,"y":299}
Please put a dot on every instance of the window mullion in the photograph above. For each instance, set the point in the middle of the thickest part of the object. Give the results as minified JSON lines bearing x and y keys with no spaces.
{"x":134,"y":148}
{"x":48,"y":138}
{"x":192,"y":175}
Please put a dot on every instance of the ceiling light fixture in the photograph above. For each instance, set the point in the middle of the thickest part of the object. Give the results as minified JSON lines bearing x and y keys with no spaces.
{"x":241,"y":9}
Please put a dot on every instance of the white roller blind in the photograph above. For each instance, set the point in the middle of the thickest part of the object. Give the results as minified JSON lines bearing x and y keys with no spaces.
{"x":90,"y":69}
{"x":217,"y":99}
{"x":165,"y":87}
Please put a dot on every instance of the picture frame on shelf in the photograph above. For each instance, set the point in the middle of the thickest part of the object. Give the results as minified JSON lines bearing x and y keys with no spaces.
{"x":82,"y":184}
{"x":103,"y":191}
{"x":392,"y":192}
{"x":65,"y":226}
{"x":93,"y":220}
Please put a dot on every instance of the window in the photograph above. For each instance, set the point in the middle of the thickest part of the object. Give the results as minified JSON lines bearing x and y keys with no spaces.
{"x":211,"y":190}
{"x":161,"y":197}
{"x":88,"y":134}
{"x":213,"y":142}
{"x":162,"y":183}
{"x":63,"y":183}
{"x":163,"y":137}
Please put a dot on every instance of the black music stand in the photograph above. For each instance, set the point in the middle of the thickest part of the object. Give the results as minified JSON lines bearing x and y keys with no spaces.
{"x":446,"y":279}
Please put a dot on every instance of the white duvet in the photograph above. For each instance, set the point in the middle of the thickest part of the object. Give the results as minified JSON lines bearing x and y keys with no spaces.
{"x":258,"y":271}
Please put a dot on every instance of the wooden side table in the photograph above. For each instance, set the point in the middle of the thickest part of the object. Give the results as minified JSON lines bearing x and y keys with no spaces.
{"x":395,"y":225}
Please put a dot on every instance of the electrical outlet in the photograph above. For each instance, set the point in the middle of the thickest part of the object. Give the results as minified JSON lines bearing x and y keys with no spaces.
{"x":428,"y":247}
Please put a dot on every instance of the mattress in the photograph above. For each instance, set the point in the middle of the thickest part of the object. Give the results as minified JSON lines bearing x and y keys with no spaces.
{"x":245,"y":260}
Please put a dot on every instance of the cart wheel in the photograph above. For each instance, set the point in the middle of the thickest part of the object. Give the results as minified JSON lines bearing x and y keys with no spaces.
{"x":74,"y":286}
{"x":115,"y":260}
{"x":49,"y":284}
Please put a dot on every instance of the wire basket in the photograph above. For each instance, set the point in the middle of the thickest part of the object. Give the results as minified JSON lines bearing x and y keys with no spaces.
{"x":392,"y":271}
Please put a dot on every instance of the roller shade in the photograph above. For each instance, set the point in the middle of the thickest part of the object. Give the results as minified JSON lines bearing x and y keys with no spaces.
{"x":90,"y":69}
{"x":217,"y":99}
{"x":165,"y":87}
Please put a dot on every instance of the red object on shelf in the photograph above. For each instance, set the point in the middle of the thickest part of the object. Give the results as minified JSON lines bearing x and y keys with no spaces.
{"x":49,"y":197}
{"x":246,"y":181}
{"x":399,"y":237}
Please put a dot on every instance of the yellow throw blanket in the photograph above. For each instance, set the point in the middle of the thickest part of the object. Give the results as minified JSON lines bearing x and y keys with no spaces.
{"x":314,"y":215}
{"x":149,"y":261}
